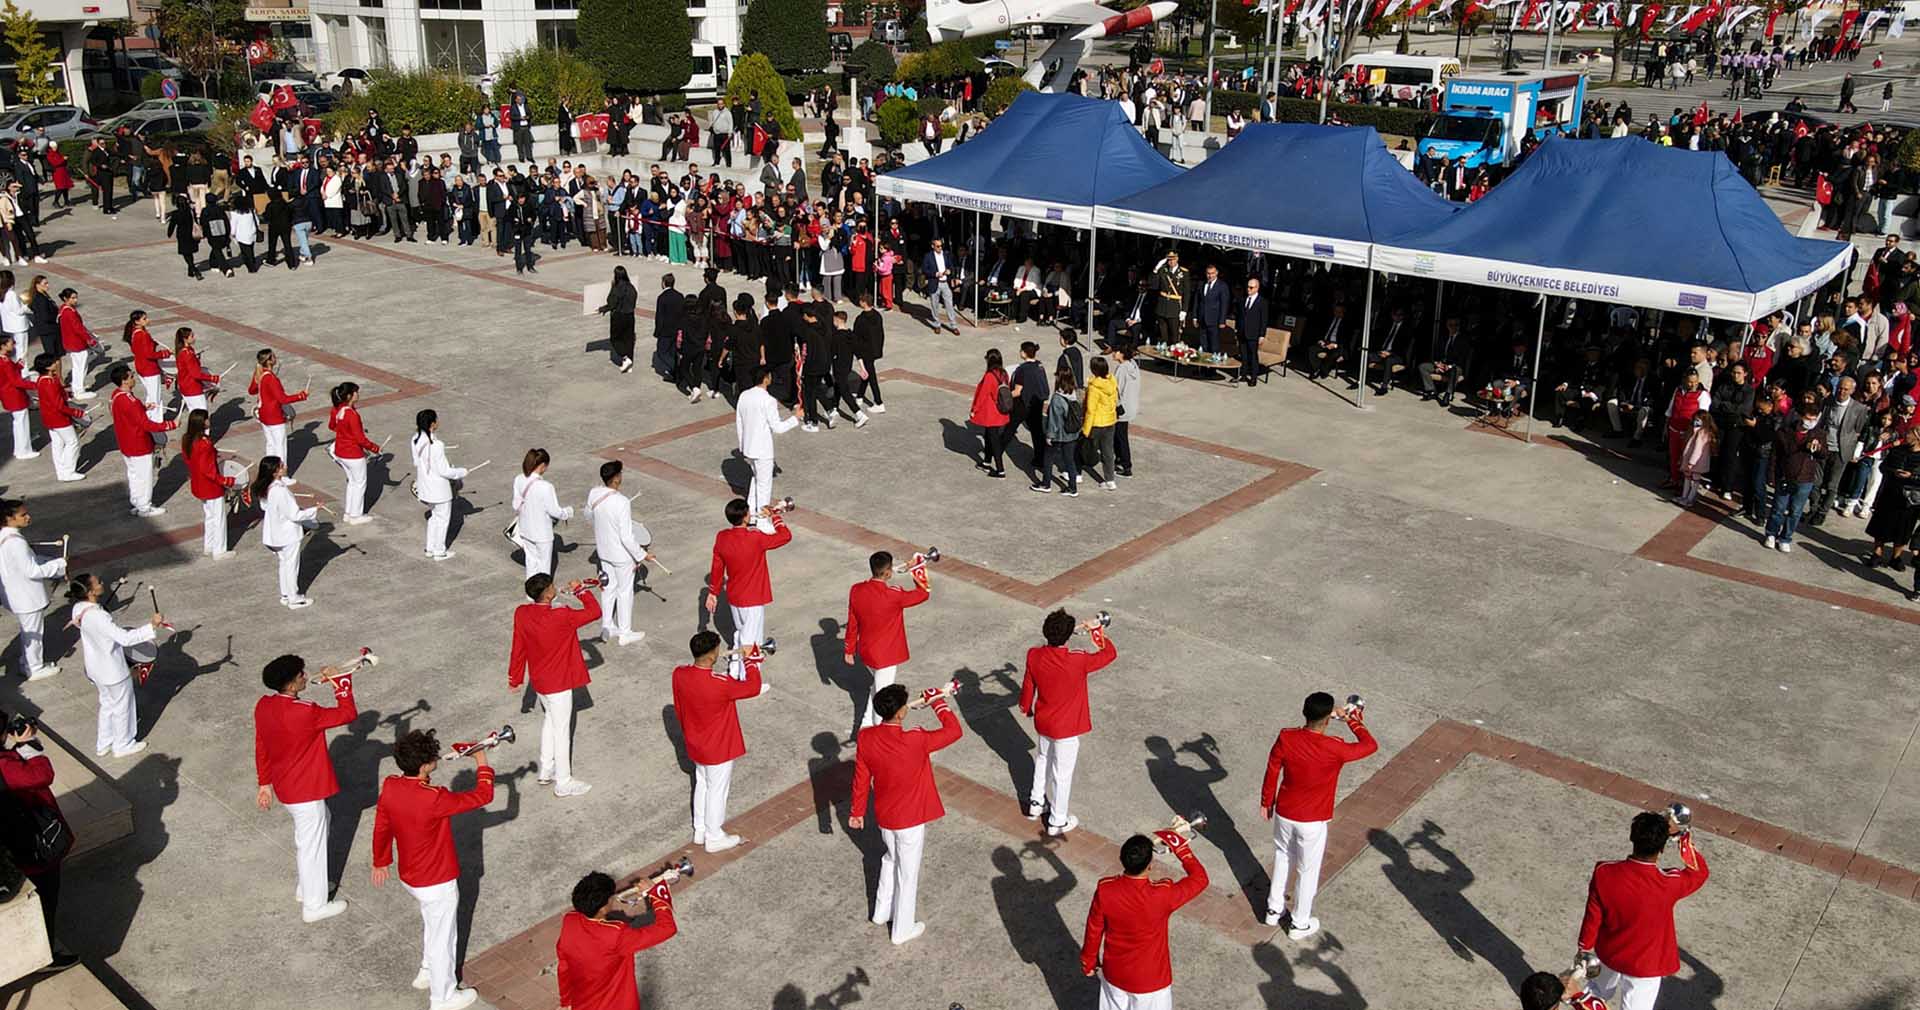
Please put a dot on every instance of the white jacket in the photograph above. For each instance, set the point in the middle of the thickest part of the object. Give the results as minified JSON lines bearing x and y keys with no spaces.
{"x":433,"y":476}
{"x":103,"y":643}
{"x":13,"y":315}
{"x":285,"y":519}
{"x":244,"y":226}
{"x":23,"y":575}
{"x":537,"y":506}
{"x":756,"y":420}
{"x":618,"y":539}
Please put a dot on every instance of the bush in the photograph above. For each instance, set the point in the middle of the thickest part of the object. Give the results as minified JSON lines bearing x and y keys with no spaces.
{"x":1001,"y":94}
{"x":754,"y":75}
{"x":430,"y":101}
{"x":873,"y":60}
{"x":792,"y":34}
{"x":546,"y":77}
{"x":800,"y":84}
{"x":899,"y":122}
{"x":1908,"y":154}
{"x":658,"y":59}
{"x":930,"y":105}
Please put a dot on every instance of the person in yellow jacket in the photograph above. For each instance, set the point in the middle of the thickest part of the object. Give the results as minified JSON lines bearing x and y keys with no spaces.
{"x":1102,"y":396}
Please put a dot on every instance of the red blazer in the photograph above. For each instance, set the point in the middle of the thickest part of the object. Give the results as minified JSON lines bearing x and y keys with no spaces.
{"x":74,"y":335}
{"x":203,"y":472}
{"x":146,"y":353}
{"x":13,"y":386}
{"x":273,"y":398}
{"x":595,"y":970}
{"x":740,"y":562}
{"x":55,"y":410}
{"x":416,"y":819}
{"x":1129,"y":916}
{"x":895,"y":765}
{"x":986,"y":410}
{"x":1629,"y":918}
{"x":30,"y":781}
{"x":1310,"y":763}
{"x":703,"y":701}
{"x":876,"y":622}
{"x":290,"y":744}
{"x":188,"y":377}
{"x":546,"y":645}
{"x":1056,"y":680}
{"x":133,"y":430}
{"x":350,"y":441}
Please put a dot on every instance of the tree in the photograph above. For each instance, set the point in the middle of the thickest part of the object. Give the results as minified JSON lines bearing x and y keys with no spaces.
{"x":792,"y":34}
{"x":855,"y":12}
{"x":199,"y":33}
{"x":900,"y":122}
{"x":753,"y":76}
{"x":1001,"y":94}
{"x":546,"y":77}
{"x":659,"y":59}
{"x":34,"y":58}
{"x":873,"y":60}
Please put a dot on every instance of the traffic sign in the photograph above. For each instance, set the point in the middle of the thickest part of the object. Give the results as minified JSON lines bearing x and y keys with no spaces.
{"x":1002,"y":45}
{"x":169,"y":88}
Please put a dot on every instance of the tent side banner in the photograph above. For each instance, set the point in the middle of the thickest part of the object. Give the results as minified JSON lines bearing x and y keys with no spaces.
{"x":1643,"y":292}
{"x":985,"y":203}
{"x":1261,"y":240}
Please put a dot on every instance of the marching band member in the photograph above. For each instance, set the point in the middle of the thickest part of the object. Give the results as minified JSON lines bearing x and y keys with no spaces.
{"x":1126,"y":937}
{"x":59,"y":415}
{"x":704,"y":703}
{"x":622,"y":544}
{"x":877,"y":623}
{"x":207,"y":484}
{"x":350,"y":449}
{"x":1544,"y":991}
{"x":14,"y":386}
{"x":146,"y":361}
{"x":535,"y":507}
{"x":740,"y":564}
{"x":23,"y":577}
{"x":133,"y":432}
{"x":895,"y":764}
{"x":546,"y":650}
{"x":1629,"y":917}
{"x":103,"y":648}
{"x":756,"y":420}
{"x":1303,"y":773}
{"x":413,"y":817}
{"x":76,"y":340}
{"x":274,"y":409}
{"x":595,"y":967}
{"x":196,"y":384}
{"x":291,"y":763}
{"x":1055,"y":687}
{"x":284,"y":528}
{"x":433,"y":479}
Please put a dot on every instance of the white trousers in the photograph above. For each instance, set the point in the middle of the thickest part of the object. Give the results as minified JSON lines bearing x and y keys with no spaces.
{"x":77,"y":371}
{"x":32,"y":633}
{"x":193,"y":403}
{"x":1053,"y":776}
{"x":213,"y":527}
{"x":711,"y":786}
{"x":151,"y":385}
{"x":556,"y":737}
{"x":616,"y":616}
{"x":22,"y":433}
{"x":356,"y":470}
{"x":1113,"y":997}
{"x":760,"y":491}
{"x":140,"y":481}
{"x":66,"y":452}
{"x":276,"y":436}
{"x":289,"y":558}
{"x":118,"y":720}
{"x":439,"y":935}
{"x":539,"y":556}
{"x":439,"y":514}
{"x":310,"y":823}
{"x":883,"y":677}
{"x":1628,"y":992}
{"x":1296,"y":845}
{"x":899,"y":886}
{"x":749,"y":628}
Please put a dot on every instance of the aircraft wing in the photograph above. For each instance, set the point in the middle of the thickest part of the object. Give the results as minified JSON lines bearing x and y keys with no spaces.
{"x":1065,"y":14}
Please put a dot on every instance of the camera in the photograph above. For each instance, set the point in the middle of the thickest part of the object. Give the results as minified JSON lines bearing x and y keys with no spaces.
{"x":20,"y":724}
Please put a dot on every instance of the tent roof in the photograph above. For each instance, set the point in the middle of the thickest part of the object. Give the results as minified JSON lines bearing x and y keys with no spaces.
{"x":1623,"y":221}
{"x":1047,"y":158}
{"x":1296,"y":189}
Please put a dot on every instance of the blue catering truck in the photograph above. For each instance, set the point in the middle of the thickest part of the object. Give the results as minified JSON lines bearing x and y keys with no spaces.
{"x":1485,"y":118}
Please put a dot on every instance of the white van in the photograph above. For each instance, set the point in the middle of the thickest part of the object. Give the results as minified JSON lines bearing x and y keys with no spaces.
{"x":1404,"y":75}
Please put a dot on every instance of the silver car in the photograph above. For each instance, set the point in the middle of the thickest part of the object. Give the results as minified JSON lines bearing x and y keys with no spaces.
{"x":61,"y":122}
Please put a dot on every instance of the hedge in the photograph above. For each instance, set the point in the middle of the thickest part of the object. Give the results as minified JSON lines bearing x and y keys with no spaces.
{"x":754,"y":75}
{"x":1384,"y":118}
{"x":899,"y":122}
{"x":658,"y":59}
{"x":792,"y":34}
{"x":1001,"y":94}
{"x":430,"y":101}
{"x":546,"y":76}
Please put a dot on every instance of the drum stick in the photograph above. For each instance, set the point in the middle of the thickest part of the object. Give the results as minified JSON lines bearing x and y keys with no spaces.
{"x":224,"y":371}
{"x":64,"y":538}
{"x":482,"y":463}
{"x":662,"y":565}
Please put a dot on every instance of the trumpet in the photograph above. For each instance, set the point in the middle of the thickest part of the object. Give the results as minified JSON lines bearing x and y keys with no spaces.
{"x":766,"y":649}
{"x":669,"y":872}
{"x":946,"y":691}
{"x":1586,"y":964}
{"x":1101,"y":620}
{"x":493,"y":739}
{"x":351,"y":666}
{"x":932,"y":554}
{"x":1184,"y":827}
{"x":1679,"y":817}
{"x":784,"y":504}
{"x":1355,"y":708}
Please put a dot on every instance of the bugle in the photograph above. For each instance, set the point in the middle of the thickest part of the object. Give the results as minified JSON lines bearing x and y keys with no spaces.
{"x":493,"y":739}
{"x":669,"y":873}
{"x":1184,"y":827}
{"x":945,"y":691}
{"x":364,"y":657}
{"x":931,"y":554}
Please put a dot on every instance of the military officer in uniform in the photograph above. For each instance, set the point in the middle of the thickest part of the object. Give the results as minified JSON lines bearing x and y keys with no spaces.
{"x":1172,"y":284}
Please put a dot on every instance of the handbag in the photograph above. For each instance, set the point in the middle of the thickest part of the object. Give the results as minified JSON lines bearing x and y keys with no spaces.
{"x":1912,"y":495}
{"x":1003,"y":399}
{"x":35,"y":835}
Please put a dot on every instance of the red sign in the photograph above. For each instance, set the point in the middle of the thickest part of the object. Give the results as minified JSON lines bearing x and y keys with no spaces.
{"x":592,"y":127}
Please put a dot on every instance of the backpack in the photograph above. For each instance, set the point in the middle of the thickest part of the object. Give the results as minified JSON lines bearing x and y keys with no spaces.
{"x":32,"y":835}
{"x":1076,"y":414}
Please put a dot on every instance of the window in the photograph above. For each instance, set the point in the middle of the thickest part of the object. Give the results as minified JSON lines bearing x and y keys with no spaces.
{"x":555,"y":5}
{"x":1409,"y":76}
{"x":702,"y":66}
{"x":449,"y":5}
{"x":377,"y":52}
{"x":557,"y":34}
{"x":460,"y":46}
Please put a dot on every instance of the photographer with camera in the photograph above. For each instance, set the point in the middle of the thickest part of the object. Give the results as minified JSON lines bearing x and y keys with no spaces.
{"x":36,"y":832}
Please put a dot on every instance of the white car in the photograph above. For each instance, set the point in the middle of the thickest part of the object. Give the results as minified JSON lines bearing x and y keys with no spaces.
{"x":344,"y":80}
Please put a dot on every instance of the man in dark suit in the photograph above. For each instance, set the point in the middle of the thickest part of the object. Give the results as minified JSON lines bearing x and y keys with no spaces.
{"x":1212,"y":308}
{"x":1129,"y":318}
{"x":1332,"y":344}
{"x":253,"y":182}
{"x":522,"y":125}
{"x":666,"y":327}
{"x":1446,"y":362}
{"x":494,"y":204}
{"x":1250,"y":325}
{"x":1390,"y":358}
{"x":390,"y":192}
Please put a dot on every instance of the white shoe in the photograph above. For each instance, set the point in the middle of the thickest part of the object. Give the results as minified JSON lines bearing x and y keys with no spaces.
{"x":442,"y":556}
{"x":628,"y":638}
{"x":829,"y":422}
{"x":1031,"y":811}
{"x":694,"y":397}
{"x":89,"y":395}
{"x":1061,"y":829}
{"x":326,"y":911}
{"x":360,"y":520}
{"x":1271,"y":918}
{"x":35,"y":454}
{"x":39,"y":259}
{"x":298,"y":602}
{"x":1786,"y":547}
{"x":462,"y":998}
{"x":572,"y":787}
{"x":546,"y":781}
{"x":809,"y":427}
{"x":721,"y":842}
{"x":912,"y":934}
{"x":138,"y":746}
{"x":878,"y":408}
{"x":1302,"y":930}
{"x":627,"y":365}
{"x":713,"y":394}
{"x":423,"y":980}
{"x":43,"y":673}
{"x":149,"y":512}
{"x":699,"y":836}
{"x":70,"y":480}
{"x":1111,"y":486}
{"x":1769,"y":543}
{"x":860,"y":419}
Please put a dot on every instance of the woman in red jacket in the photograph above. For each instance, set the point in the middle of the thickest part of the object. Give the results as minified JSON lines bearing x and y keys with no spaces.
{"x":207,"y":484}
{"x":77,"y":341}
{"x":195,"y":384}
{"x":275,"y":402}
{"x":14,"y":385}
{"x":29,"y":780}
{"x":989,"y":415}
{"x":350,"y":449}
{"x":62,"y":176}
{"x":146,"y":360}
{"x":58,"y":415}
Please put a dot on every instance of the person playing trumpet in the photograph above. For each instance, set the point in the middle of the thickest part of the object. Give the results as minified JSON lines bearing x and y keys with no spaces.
{"x":895,"y":766}
{"x":595,"y":966}
{"x":23,"y":582}
{"x":1303,"y":773}
{"x":704,"y":703}
{"x":622,"y":545}
{"x":877,"y":623}
{"x":1629,"y":918}
{"x":103,"y":646}
{"x":546,"y":650}
{"x":1054,"y":692}
{"x":740,"y":567}
{"x":291,"y":763}
{"x":1126,"y":936}
{"x":413,"y":816}
{"x":134,"y":431}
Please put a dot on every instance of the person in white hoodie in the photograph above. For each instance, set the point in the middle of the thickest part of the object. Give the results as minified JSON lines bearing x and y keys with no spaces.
{"x":103,"y":646}
{"x":433,"y":479}
{"x":756,"y":419}
{"x":24,"y":576}
{"x":536,"y":505}
{"x":283,"y":529}
{"x":622,"y":545}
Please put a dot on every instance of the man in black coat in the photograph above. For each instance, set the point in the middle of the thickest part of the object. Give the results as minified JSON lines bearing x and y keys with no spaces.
{"x":1448,"y":356}
{"x":1211,"y":304}
{"x":667,"y":310}
{"x":1250,"y":324}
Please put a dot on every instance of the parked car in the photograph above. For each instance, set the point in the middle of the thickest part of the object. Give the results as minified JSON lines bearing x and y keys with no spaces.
{"x":840,"y":44}
{"x":344,"y":80}
{"x":60,"y":122}
{"x":152,"y":123}
{"x":315,"y":100}
{"x":203,"y":106}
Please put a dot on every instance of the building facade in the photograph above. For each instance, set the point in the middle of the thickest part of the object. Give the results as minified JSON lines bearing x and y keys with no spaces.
{"x":68,"y":24}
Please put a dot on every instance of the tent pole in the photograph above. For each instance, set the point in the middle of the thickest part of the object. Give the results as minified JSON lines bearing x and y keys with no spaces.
{"x":1439,"y":294}
{"x":1533,"y":388}
{"x":1093,"y":259}
{"x":978,"y":240}
{"x":1366,"y":345}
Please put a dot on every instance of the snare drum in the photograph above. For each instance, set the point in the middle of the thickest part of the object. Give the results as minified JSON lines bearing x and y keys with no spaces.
{"x":140,"y":660}
{"x":239,"y":496}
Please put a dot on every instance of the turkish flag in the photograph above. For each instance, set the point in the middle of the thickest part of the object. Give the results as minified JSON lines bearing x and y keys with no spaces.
{"x":262,"y":115}
{"x":283,"y":98}
{"x":1846,"y":22}
{"x":1647,"y":19}
{"x":1772,"y":16}
{"x":1706,"y":13}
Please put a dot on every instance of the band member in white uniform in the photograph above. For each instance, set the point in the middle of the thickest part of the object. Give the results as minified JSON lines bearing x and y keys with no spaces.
{"x":535,"y":507}
{"x":756,"y":420}
{"x":350,"y":449}
{"x":433,"y":479}
{"x":284,"y":528}
{"x":24,"y":576}
{"x":103,"y":646}
{"x":622,"y":545}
